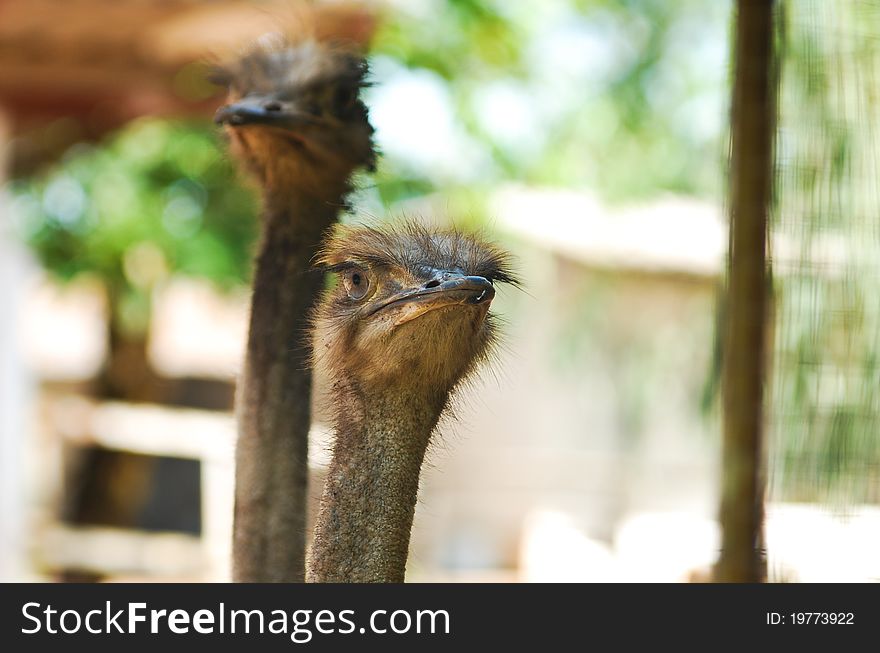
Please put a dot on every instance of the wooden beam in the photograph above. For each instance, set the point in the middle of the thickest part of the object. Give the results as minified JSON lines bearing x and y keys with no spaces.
{"x":119,"y":552}
{"x":145,"y":429}
{"x":750,"y":189}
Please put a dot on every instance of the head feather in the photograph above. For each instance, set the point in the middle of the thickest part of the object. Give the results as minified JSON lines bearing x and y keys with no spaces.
{"x":414,"y":247}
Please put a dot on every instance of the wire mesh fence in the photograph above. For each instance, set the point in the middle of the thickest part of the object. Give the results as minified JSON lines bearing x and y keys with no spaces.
{"x":825,"y":245}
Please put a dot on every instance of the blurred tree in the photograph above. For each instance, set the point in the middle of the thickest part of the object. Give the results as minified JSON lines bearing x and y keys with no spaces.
{"x":156,"y":199}
{"x":624,"y":98}
{"x":619,"y":97}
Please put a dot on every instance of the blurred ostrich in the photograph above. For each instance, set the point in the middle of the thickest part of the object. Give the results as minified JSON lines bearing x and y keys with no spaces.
{"x":406,"y":324}
{"x":296,"y":122}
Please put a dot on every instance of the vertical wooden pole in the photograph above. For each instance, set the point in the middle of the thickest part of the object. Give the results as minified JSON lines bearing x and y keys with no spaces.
{"x":750,"y":190}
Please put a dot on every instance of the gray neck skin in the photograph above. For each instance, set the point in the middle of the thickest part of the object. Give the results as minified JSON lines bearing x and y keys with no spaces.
{"x":273,"y":400}
{"x":366,"y":514}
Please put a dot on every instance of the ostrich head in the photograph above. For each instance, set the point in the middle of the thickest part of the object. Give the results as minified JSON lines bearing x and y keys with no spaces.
{"x":411,"y":307}
{"x":295,"y":116}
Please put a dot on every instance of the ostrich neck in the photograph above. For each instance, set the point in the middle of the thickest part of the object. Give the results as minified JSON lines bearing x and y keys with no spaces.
{"x":366,"y":514}
{"x":274,"y":398}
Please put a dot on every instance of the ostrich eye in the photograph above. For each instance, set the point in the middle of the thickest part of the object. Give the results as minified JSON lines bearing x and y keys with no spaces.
{"x":356,"y":283}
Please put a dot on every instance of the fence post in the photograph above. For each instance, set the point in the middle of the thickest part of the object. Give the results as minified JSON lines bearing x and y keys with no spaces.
{"x":750,"y":191}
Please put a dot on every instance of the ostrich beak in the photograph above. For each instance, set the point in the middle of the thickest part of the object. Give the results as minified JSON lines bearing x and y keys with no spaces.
{"x":458,"y":289}
{"x":261,"y":111}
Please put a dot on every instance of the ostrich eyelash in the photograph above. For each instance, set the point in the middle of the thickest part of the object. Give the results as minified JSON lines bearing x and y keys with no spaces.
{"x":499,"y":272}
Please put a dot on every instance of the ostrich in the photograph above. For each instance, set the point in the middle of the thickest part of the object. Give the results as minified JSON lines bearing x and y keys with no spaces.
{"x":406,"y":324}
{"x":295,"y":120}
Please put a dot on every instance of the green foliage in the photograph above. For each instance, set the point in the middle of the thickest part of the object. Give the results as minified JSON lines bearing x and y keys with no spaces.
{"x":624,"y":98}
{"x":157,"y":198}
